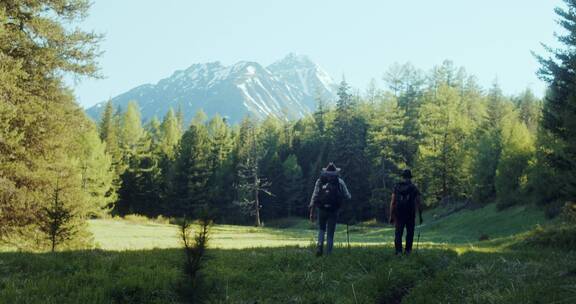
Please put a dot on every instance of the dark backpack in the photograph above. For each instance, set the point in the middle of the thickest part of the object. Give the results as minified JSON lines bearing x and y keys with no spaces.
{"x":329,"y":194}
{"x":405,"y":194}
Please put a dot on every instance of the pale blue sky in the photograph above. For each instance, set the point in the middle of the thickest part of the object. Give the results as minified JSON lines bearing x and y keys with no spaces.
{"x":148,"y":40}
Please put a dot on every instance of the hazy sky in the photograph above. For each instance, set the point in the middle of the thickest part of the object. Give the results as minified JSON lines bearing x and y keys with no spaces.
{"x":148,"y":40}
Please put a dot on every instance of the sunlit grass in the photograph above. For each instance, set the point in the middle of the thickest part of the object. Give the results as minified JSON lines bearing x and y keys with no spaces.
{"x":457,"y":230}
{"x":502,"y":269}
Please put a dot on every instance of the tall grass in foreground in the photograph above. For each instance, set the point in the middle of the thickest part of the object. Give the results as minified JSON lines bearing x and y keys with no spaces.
{"x":521,"y":271}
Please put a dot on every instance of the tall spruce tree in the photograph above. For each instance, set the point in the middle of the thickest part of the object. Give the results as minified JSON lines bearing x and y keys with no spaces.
{"x":192,"y":172}
{"x":108,"y":129}
{"x":442,"y":155}
{"x":514,"y":163}
{"x":386,"y":140}
{"x":132,"y":131}
{"x":349,"y":139}
{"x":272,"y":137}
{"x":38,"y":45}
{"x":406,"y":83}
{"x":154,"y":131}
{"x":140,"y":181}
{"x":220,"y":163}
{"x":559,"y":115}
{"x":529,"y":109}
{"x":488,"y":147}
{"x":292,"y":184}
{"x":169,"y":134}
{"x":97,"y":172}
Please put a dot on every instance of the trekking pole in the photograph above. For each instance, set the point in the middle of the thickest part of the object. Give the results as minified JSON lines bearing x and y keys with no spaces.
{"x":348,"y":235}
{"x":418,"y":239}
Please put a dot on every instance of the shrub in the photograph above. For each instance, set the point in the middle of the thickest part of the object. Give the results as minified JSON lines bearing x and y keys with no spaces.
{"x":563,"y":237}
{"x":142,"y":219}
{"x":137,"y":219}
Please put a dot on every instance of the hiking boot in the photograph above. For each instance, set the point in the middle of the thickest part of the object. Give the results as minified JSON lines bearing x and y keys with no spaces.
{"x":407,"y":252}
{"x":319,"y":252}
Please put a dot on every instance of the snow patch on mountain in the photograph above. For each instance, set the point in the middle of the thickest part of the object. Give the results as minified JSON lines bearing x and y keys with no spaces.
{"x":286,"y":89}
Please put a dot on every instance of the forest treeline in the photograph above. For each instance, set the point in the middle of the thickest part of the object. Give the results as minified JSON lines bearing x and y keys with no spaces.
{"x":463,"y":142}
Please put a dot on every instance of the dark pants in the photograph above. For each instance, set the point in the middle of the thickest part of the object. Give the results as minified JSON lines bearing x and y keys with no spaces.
{"x":401,"y":223}
{"x":326,"y":223}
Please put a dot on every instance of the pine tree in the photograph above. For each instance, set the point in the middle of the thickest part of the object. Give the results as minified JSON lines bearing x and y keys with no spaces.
{"x":132,"y":131}
{"x":97,"y":172}
{"x":386,"y":139}
{"x":372,"y":92}
{"x":106,"y":125}
{"x":180,"y":119}
{"x":558,"y":127}
{"x":220,"y":141}
{"x":349,"y":139}
{"x":191,"y":173}
{"x":513,"y":166}
{"x":530,"y":109}
{"x":442,"y":155}
{"x":39,"y":42}
{"x":154,"y":130}
{"x":320,"y":114}
{"x":406,"y":83}
{"x":293,"y":187}
{"x":140,"y":180}
{"x":61,"y":220}
{"x":57,"y":220}
{"x":488,"y":147}
{"x":109,"y":133}
{"x":169,"y":134}
{"x":547,"y":194}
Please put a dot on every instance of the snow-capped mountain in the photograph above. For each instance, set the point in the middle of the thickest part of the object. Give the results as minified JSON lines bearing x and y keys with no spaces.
{"x":286,"y":89}
{"x":303,"y":73}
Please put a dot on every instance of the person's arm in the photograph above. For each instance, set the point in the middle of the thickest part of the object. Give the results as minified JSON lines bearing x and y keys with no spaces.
{"x":347,"y":194}
{"x":392,"y":208}
{"x":313,"y":199}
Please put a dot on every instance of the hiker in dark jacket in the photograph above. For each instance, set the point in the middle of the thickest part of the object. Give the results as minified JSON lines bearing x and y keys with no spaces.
{"x":405,"y":201}
{"x":329,"y":192}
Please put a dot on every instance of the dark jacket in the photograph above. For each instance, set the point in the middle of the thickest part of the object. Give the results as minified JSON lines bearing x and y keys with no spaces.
{"x":405,"y":188}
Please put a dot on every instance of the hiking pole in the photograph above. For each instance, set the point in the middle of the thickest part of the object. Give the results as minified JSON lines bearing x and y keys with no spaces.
{"x":348,"y":235}
{"x":418,"y":239}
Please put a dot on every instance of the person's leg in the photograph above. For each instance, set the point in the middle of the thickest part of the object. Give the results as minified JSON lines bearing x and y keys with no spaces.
{"x":321,"y":230}
{"x":331,"y":227}
{"x":398,"y":235}
{"x":409,"y":235}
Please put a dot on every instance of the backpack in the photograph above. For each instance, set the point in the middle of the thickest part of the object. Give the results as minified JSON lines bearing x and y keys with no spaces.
{"x":329,"y":194}
{"x":405,"y":194}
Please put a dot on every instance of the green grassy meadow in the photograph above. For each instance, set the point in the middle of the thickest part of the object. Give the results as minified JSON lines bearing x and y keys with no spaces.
{"x":464,"y":228}
{"x":523,"y":261}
